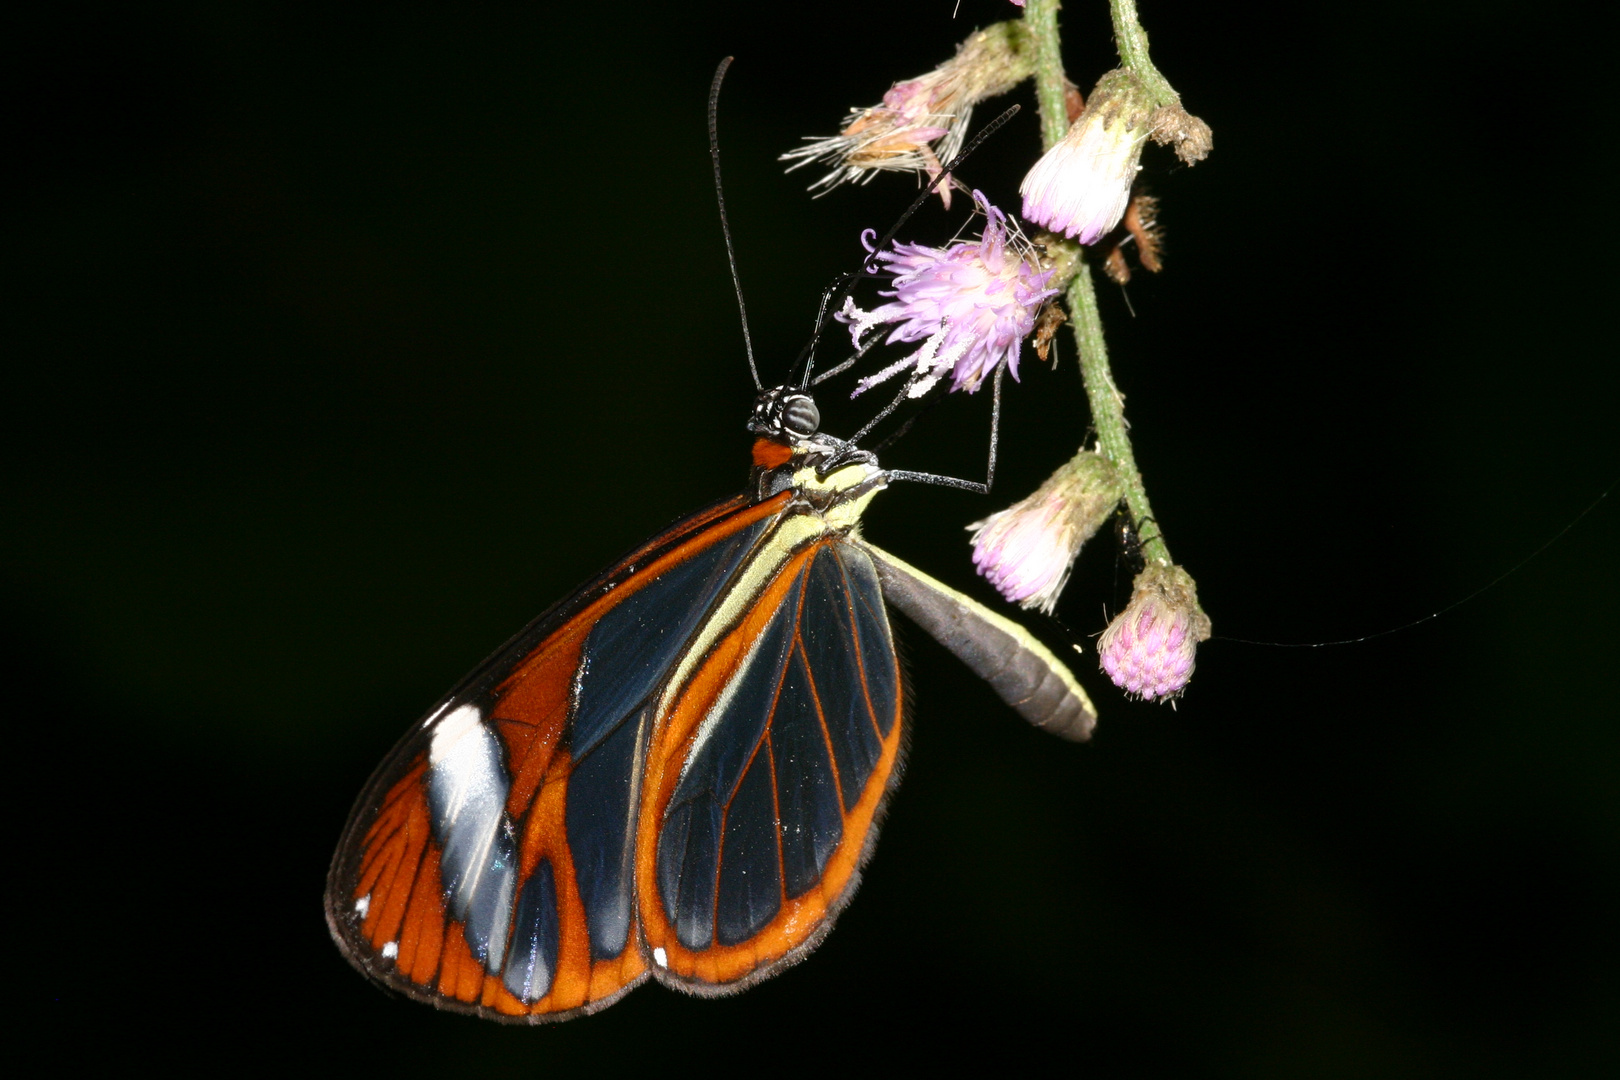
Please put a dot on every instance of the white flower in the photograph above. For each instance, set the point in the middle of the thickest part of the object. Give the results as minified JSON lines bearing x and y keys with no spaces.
{"x":1027,"y":550}
{"x":1081,"y":186}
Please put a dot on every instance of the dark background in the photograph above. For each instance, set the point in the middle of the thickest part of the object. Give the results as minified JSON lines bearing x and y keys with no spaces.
{"x":345,"y":338}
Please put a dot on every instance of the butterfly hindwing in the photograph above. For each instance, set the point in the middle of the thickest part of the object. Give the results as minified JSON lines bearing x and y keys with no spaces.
{"x":766,"y":778}
{"x":489,"y":864}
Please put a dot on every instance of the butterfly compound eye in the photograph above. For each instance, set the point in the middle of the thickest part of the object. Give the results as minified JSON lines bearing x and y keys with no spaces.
{"x":800,"y":415}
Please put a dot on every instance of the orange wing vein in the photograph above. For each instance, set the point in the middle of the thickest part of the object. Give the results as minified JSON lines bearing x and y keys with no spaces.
{"x":765,"y":784}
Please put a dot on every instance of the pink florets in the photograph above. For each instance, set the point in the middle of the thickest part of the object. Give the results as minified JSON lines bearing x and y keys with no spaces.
{"x":921,"y":122}
{"x":1150,"y":647}
{"x":1026,"y":550}
{"x":971,"y":304}
{"x":1082,"y":185}
{"x":912,"y":101}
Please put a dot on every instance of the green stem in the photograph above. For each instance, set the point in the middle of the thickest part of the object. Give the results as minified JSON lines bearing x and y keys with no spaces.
{"x":1041,"y":18}
{"x":1108,"y":411}
{"x":1132,"y":42}
{"x":1107,"y":404}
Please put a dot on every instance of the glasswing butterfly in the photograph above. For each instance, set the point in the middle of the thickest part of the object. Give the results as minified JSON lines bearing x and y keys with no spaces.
{"x":678,"y":771}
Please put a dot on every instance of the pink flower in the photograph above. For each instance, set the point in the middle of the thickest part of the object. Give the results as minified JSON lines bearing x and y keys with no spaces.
{"x":1027,"y":550}
{"x":1149,"y":648}
{"x":1081,"y":186}
{"x":971,"y":305}
{"x":922,"y":121}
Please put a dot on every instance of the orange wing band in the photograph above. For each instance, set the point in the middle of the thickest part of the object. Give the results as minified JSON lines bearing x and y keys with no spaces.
{"x":798,"y":918}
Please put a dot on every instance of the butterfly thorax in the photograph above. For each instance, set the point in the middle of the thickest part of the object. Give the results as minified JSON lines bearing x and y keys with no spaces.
{"x":828,"y":477}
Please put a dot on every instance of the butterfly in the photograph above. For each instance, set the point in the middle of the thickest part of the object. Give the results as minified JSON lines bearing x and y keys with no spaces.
{"x":677,"y":772}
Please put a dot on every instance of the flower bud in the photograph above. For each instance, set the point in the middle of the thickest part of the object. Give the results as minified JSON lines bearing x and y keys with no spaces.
{"x":922,"y":121}
{"x":1027,"y":550}
{"x":1149,"y":648}
{"x":1081,"y":186}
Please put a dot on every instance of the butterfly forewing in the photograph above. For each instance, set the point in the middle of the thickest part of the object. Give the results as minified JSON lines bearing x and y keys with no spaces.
{"x":678,"y":767}
{"x":481,"y":868}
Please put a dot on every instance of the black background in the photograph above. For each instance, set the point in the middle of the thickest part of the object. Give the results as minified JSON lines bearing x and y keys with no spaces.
{"x":345,"y":338}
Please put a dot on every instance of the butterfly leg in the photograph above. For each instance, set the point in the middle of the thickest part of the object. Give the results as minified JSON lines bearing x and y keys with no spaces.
{"x":990,"y":469}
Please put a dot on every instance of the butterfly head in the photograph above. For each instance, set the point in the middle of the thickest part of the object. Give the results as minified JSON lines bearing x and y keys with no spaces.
{"x":790,"y":452}
{"x":785,"y":414}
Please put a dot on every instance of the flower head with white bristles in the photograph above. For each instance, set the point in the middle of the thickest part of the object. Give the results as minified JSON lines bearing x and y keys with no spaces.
{"x":970,"y":304}
{"x":922,"y":121}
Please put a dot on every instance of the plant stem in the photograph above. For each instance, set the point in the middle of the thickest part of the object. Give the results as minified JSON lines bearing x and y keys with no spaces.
{"x":1132,"y":42}
{"x":1041,"y":18}
{"x":1107,"y":404}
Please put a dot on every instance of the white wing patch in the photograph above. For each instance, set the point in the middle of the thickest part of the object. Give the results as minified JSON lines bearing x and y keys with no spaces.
{"x":451,"y":730}
{"x":467,"y":786}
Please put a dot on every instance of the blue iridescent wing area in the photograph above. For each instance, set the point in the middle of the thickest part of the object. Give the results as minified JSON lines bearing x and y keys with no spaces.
{"x":765,"y":784}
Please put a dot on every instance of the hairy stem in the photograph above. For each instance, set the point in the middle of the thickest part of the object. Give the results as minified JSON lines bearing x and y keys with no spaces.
{"x":1107,"y":404}
{"x":1041,"y":18}
{"x":1132,"y":42}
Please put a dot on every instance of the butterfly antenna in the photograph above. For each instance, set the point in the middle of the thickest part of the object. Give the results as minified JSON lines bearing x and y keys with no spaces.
{"x":725,"y":226}
{"x":866,"y":271}
{"x":821,"y":313}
